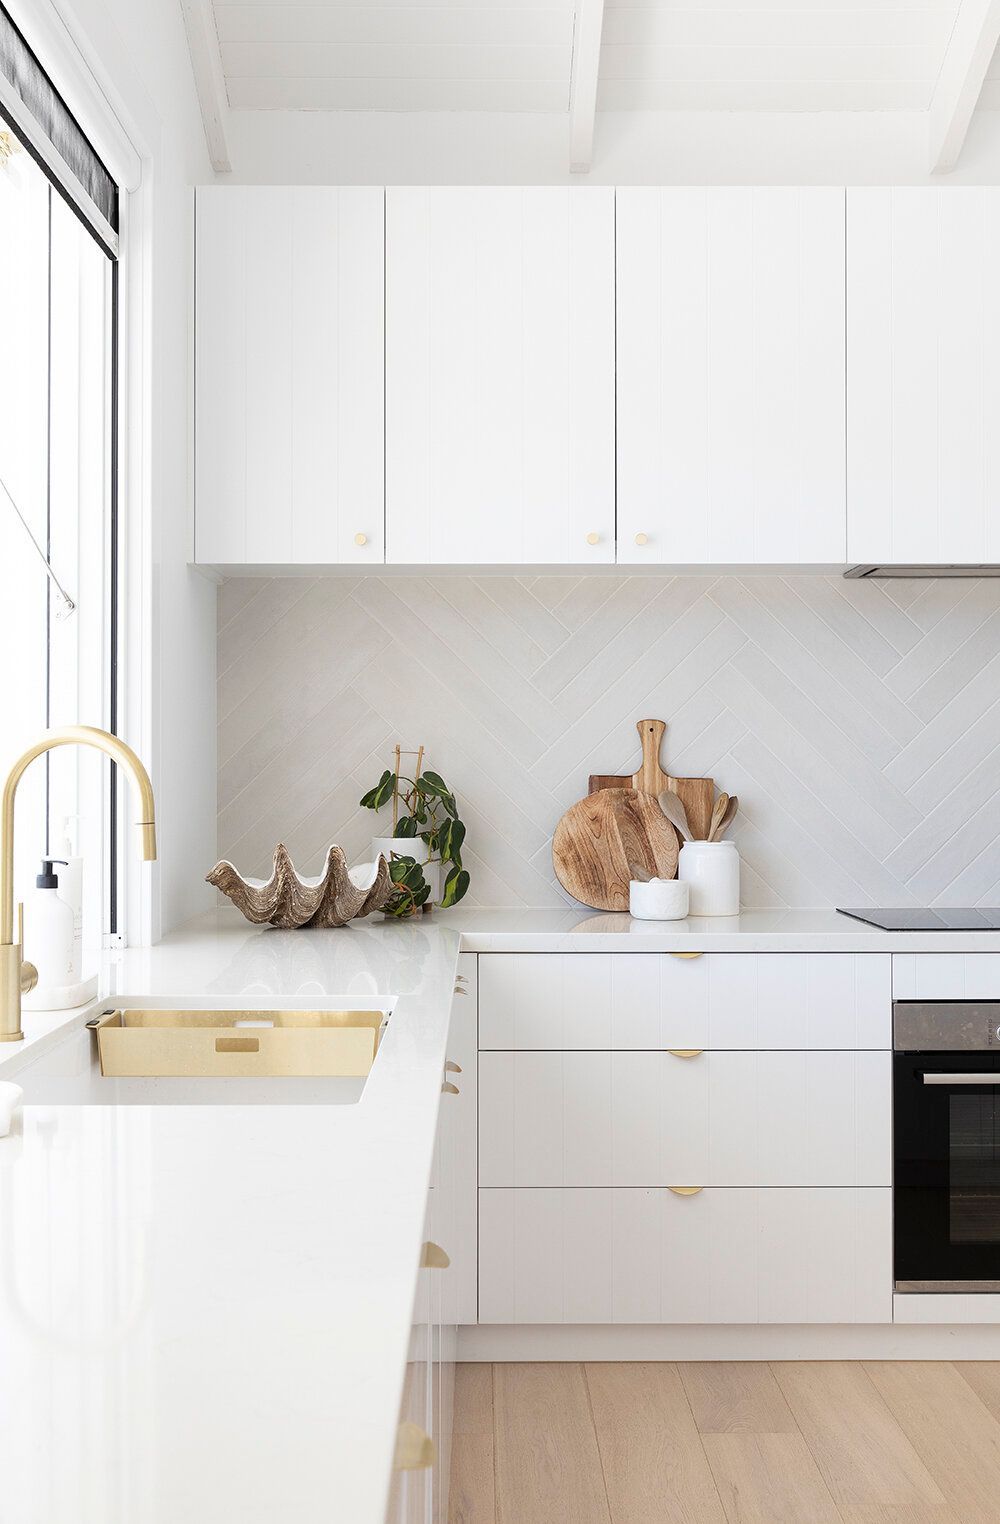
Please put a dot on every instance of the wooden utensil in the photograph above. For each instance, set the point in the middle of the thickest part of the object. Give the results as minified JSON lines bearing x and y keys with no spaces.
{"x":673,"y":807}
{"x":718,"y":831}
{"x":607,"y":839}
{"x":718,"y":810}
{"x":696,"y":794}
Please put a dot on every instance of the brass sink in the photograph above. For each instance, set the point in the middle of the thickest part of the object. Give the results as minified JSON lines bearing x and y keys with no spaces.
{"x":239,"y":1044}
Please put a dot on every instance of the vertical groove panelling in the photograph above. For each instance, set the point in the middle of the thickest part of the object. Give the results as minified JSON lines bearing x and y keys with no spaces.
{"x":289,"y":356}
{"x":923,"y":374}
{"x":730,"y":324}
{"x":499,"y":374}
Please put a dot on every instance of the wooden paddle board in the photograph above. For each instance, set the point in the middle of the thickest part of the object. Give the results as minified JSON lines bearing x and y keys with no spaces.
{"x":607,"y":839}
{"x":696,"y":794}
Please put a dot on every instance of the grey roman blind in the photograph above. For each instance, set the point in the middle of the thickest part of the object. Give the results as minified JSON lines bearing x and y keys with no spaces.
{"x":26,"y":85}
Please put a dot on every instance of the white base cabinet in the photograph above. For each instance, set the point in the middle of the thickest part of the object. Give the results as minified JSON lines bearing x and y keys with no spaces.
{"x":719,"y":1118}
{"x":651,"y":1256}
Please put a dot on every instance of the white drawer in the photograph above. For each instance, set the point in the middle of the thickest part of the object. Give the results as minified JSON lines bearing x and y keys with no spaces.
{"x":723,"y":1118}
{"x":722,"y":1256}
{"x":654,"y":1000}
{"x":946,"y":976}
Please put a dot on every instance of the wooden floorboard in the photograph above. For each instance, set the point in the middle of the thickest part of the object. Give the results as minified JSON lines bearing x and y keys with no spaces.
{"x":548,"y":1465}
{"x":727,"y":1443}
{"x":952,"y":1430}
{"x":655,"y":1467}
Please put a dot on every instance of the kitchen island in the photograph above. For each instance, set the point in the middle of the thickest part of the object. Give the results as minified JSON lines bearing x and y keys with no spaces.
{"x":206,"y":1310}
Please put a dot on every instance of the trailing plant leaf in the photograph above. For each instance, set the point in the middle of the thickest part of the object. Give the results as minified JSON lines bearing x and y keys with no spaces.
{"x":455,"y":887}
{"x":406,"y":825}
{"x":381,"y":793}
{"x":456,"y":836}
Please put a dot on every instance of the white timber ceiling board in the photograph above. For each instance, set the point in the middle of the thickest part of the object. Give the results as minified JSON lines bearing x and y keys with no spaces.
{"x":990,"y":97}
{"x":809,"y":56}
{"x":467,"y":56}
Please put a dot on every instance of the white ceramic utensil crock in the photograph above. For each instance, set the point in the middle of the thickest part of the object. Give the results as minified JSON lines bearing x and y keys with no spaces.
{"x":711,"y":870}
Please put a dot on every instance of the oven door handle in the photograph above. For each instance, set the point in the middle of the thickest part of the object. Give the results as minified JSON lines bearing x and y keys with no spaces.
{"x":992,"y":1077}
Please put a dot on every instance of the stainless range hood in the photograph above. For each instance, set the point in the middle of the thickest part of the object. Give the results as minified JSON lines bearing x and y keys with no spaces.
{"x":858,"y":573}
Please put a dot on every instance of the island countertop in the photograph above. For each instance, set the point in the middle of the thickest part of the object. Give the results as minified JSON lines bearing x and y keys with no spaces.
{"x":205,"y":1310}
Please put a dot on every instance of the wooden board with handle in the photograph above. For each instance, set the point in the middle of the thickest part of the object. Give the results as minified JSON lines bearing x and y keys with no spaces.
{"x":696,"y":794}
{"x":607,"y":839}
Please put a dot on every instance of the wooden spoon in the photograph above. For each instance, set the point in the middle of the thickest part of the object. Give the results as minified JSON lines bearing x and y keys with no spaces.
{"x":726,"y":819}
{"x":673,"y":807}
{"x":718,"y":810}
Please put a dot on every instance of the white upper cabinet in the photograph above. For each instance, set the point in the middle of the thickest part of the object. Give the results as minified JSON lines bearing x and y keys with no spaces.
{"x":923,"y":375}
{"x":500,"y":412}
{"x":731,"y":413}
{"x":289,"y":375}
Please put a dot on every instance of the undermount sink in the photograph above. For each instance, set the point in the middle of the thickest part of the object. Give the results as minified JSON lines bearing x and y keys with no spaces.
{"x":159,"y":1052}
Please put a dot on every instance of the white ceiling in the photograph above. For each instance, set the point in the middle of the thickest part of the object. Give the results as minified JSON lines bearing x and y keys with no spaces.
{"x":499,"y":55}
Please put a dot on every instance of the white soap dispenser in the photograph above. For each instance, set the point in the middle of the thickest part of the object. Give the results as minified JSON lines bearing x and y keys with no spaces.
{"x":48,"y":935}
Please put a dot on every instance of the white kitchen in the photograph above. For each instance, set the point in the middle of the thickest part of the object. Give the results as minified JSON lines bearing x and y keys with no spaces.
{"x":500,"y":826}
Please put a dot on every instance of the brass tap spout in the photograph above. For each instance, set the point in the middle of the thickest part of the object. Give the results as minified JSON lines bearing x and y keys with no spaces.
{"x":16,"y":976}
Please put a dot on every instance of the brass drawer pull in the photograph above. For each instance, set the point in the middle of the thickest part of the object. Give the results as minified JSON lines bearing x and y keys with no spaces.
{"x":686,"y":1052}
{"x":414,"y":1449}
{"x":458,"y":990}
{"x":434,"y":1257}
{"x":685,"y":1190}
{"x":687,"y":955}
{"x":462,"y":978}
{"x":237,"y":1045}
{"x":451,"y":1067}
{"x":449,"y":1089}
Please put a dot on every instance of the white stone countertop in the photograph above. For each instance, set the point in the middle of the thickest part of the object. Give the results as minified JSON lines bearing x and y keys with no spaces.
{"x":205,"y":1310}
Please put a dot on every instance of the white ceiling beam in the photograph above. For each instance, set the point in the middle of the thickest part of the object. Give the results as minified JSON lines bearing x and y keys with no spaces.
{"x":210,"y":82}
{"x":970,"y":47}
{"x":583,"y":83}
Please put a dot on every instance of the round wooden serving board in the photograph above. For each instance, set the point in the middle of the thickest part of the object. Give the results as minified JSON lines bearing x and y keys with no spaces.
{"x":602,"y":840}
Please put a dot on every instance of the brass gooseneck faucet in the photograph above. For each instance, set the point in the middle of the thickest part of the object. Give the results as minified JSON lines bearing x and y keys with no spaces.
{"x":16,"y":976}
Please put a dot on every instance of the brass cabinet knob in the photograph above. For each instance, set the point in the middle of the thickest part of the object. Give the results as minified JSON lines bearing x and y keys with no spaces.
{"x":434,"y":1257}
{"x":642,"y":539}
{"x":685,"y":1190}
{"x":686,"y":1052}
{"x":414,"y":1449}
{"x":593,"y":539}
{"x":361,"y":539}
{"x":449,"y":1089}
{"x":452,"y":1068}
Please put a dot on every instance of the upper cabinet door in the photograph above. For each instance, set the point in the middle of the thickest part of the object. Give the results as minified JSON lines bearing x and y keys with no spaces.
{"x":500,"y":375}
{"x":923,"y":351}
{"x":289,"y":375}
{"x":731,"y":414}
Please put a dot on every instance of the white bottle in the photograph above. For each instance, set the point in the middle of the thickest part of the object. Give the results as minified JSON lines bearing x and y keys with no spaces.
{"x":48,"y":935}
{"x":71,"y":886}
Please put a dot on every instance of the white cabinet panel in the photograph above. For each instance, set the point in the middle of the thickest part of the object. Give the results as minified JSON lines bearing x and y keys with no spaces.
{"x":720,"y":1119}
{"x":923,"y":307}
{"x":946,"y":976}
{"x":457,"y":1171}
{"x":289,"y":374}
{"x":650,"y":1256}
{"x":730,"y":374}
{"x":499,"y":375}
{"x":653,"y":1000}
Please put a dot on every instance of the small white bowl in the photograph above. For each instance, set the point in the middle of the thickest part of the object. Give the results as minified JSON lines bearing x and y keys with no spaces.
{"x":661,"y":899}
{"x":10,"y":1099}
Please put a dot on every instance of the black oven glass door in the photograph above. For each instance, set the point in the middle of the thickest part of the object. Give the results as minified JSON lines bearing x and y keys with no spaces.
{"x":947,"y":1166}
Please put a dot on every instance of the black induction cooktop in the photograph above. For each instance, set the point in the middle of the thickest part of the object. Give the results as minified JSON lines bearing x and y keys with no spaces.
{"x":943,"y":919}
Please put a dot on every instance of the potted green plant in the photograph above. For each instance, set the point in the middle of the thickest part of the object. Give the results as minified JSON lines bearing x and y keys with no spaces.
{"x":424,"y":810}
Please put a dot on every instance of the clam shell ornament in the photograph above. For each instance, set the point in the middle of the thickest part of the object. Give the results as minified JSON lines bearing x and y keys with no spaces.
{"x":288,"y":900}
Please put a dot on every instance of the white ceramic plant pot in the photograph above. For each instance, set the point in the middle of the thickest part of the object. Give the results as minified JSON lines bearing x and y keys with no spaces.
{"x":402,"y":846}
{"x":711,"y":870}
{"x":661,"y":899}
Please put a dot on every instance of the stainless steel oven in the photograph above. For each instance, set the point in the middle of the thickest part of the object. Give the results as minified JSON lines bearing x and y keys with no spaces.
{"x":946,"y":1145}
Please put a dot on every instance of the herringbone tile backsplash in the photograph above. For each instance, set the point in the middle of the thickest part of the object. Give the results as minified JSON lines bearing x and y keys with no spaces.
{"x":859,"y":723}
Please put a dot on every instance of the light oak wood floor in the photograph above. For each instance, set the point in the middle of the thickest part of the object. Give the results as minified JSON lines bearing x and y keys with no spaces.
{"x":805,"y":1443}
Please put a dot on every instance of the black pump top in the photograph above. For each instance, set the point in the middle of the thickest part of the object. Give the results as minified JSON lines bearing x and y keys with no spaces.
{"x":47,"y":879}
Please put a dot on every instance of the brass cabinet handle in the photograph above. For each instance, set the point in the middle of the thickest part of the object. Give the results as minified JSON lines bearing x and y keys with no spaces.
{"x":451,"y":1067}
{"x":458,"y":990}
{"x":414,"y":1449}
{"x":686,"y":1052}
{"x":449,"y":1089}
{"x":462,"y":978}
{"x":685,"y":1190}
{"x":434,"y":1257}
{"x":687,"y":955}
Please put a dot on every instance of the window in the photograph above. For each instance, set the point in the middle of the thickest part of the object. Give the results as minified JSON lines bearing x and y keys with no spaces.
{"x":58,"y":552}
